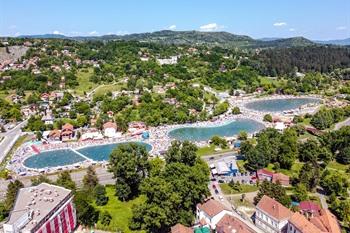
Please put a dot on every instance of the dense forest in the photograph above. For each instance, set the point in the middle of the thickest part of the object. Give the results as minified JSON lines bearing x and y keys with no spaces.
{"x":324,"y":59}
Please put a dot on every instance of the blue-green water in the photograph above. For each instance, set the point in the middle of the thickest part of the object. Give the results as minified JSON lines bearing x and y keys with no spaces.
{"x":206,"y":133}
{"x":102,"y":152}
{"x":53,"y":159}
{"x":279,"y":105}
{"x":64,"y":157}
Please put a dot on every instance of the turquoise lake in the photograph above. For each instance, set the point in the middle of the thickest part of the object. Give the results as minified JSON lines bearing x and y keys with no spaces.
{"x":280,"y":105}
{"x":206,"y":133}
{"x":67,"y":157}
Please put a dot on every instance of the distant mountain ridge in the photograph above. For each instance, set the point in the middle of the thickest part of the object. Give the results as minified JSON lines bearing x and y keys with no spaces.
{"x":335,"y":42}
{"x":224,"y":39}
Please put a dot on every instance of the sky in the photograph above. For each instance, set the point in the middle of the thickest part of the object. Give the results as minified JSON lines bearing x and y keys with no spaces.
{"x":313,"y":19}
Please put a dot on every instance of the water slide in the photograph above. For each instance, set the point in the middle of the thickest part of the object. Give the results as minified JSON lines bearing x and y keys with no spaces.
{"x":35,"y":149}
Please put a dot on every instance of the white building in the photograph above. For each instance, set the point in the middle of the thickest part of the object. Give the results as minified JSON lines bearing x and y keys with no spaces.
{"x":110,"y":130}
{"x":211,"y":212}
{"x":168,"y":61}
{"x":44,"y":208}
{"x":271,"y":216}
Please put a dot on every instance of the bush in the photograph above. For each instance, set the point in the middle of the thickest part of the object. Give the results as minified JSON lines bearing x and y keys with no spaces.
{"x":105,"y":218}
{"x":236,"y":111}
{"x":268,"y":118}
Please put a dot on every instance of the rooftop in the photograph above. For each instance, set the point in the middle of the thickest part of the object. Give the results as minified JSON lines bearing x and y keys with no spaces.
{"x":37,"y":202}
{"x":229,"y":224}
{"x":211,"y":207}
{"x":273,"y":208}
{"x":302,"y":224}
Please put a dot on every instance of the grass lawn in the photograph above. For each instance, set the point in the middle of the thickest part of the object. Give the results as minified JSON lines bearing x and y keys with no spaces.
{"x":294,"y":171}
{"x":333,"y":165}
{"x":120,"y":211}
{"x":240,"y":165}
{"x":209,"y":150}
{"x":83,"y":78}
{"x":245,"y":188}
{"x":103,"y":89}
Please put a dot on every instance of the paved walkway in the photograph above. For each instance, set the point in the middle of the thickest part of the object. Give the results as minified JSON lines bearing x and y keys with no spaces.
{"x":341,"y":124}
{"x":10,"y":137}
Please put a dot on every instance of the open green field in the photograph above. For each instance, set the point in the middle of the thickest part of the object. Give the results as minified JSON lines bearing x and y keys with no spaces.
{"x":103,"y":89}
{"x":210,"y":150}
{"x":245,"y":188}
{"x":120,"y":211}
{"x":83,"y":78}
{"x":294,"y":171}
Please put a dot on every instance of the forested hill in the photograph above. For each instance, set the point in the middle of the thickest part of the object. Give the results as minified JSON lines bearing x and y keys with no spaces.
{"x":224,"y":39}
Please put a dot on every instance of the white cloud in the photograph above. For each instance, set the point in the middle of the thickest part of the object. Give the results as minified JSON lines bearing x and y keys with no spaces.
{"x":121,"y":33}
{"x":12,"y":27}
{"x":56,"y":32}
{"x":341,"y":28}
{"x":280,"y":24}
{"x":93,"y":33}
{"x":211,"y":27}
{"x":292,"y":29}
{"x":17,"y":34}
{"x":172,"y":27}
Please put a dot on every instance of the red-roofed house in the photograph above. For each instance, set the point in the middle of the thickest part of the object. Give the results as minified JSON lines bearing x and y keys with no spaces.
{"x":110,"y":129}
{"x":299,"y":224}
{"x":229,"y":224}
{"x":271,"y":216}
{"x":67,"y":132}
{"x":309,"y":209}
{"x":179,"y":228}
{"x":326,"y":221}
{"x":264,"y":174}
{"x":211,"y":212}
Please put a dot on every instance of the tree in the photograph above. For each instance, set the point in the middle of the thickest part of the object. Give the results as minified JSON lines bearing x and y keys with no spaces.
{"x":90,"y":180}
{"x":309,"y":175}
{"x":218,"y":141}
{"x":105,"y":218}
{"x":288,"y":149}
{"x":65,"y":180}
{"x":40,"y":179}
{"x":275,"y":191}
{"x":129,"y":164}
{"x":335,"y":182}
{"x":268,"y":118}
{"x":12,"y":189}
{"x":323,"y":119}
{"x":242,"y":135}
{"x":236,"y":110}
{"x":344,"y":155}
{"x":87,"y":215}
{"x":39,"y":135}
{"x":100,"y":195}
{"x":300,"y":193}
{"x":182,"y":152}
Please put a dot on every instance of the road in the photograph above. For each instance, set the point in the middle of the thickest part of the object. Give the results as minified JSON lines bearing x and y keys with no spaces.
{"x":10,"y":137}
{"x":341,"y":124}
{"x":221,"y":198}
{"x":103,"y":175}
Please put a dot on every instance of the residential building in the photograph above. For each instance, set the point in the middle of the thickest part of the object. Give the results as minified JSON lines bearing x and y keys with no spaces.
{"x":211,"y":212}
{"x":271,"y":216}
{"x":67,"y":132}
{"x":263,"y":174}
{"x":179,"y":228}
{"x":229,"y":224}
{"x":299,"y":224}
{"x":326,"y":221}
{"x":110,"y":129}
{"x":309,"y":209}
{"x":44,"y":208}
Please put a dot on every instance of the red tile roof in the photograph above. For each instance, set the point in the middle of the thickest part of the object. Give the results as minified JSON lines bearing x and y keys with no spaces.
{"x":67,"y":126}
{"x":179,"y":228}
{"x":211,"y":207}
{"x":309,"y":206}
{"x":264,"y":172}
{"x":229,"y":224}
{"x":273,"y":208}
{"x":326,"y":221}
{"x":109,"y":124}
{"x":283,"y":179}
{"x":302,"y":224}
